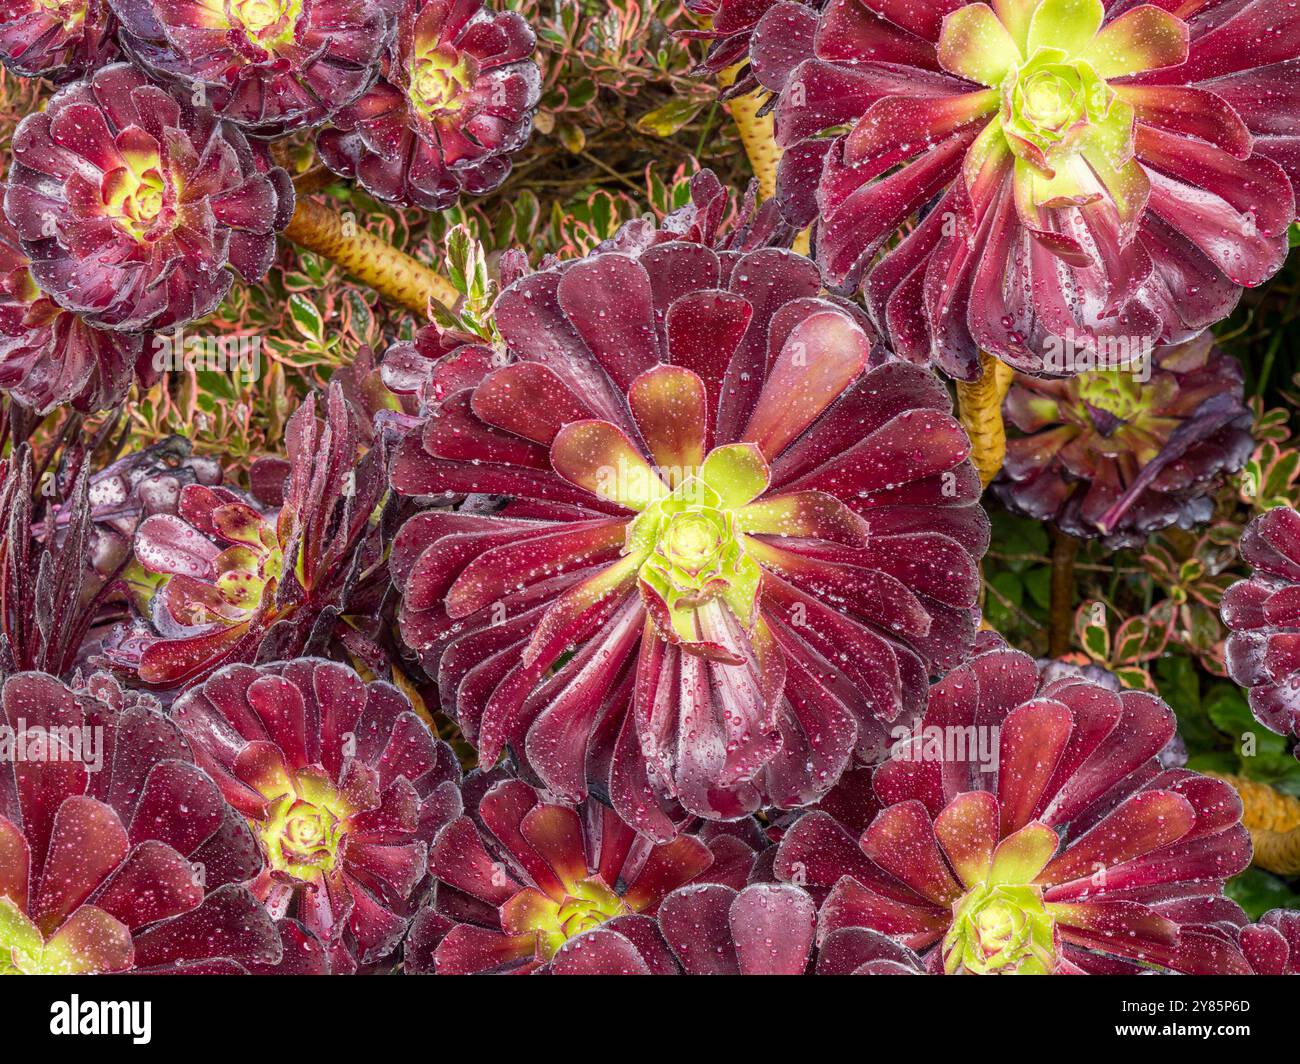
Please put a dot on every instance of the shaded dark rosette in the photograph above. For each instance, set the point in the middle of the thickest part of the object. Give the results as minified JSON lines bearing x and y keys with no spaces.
{"x":1109,"y":455}
{"x":1262,"y":613}
{"x":756,"y":544}
{"x":343,"y":786}
{"x":1040,"y":172}
{"x":455,"y":102}
{"x":131,"y":203}
{"x":56,"y":39}
{"x":116,"y":852}
{"x":526,"y":884}
{"x":50,"y":356}
{"x":269,"y":66}
{"x":1272,"y":946}
{"x":1029,"y":829}
{"x":256,"y":578}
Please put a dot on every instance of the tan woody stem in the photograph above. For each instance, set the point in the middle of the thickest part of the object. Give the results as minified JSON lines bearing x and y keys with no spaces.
{"x":758,"y":135}
{"x":396,"y":276}
{"x":979,"y":406}
{"x":1273,"y":820}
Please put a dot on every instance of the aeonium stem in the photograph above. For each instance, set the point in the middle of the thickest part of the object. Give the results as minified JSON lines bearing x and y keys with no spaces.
{"x":757,"y":133}
{"x":979,"y":407}
{"x":1065,"y":549}
{"x":396,"y":276}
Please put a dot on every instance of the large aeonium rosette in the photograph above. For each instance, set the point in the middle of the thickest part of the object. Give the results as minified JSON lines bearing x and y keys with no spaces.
{"x":116,"y":852}
{"x":455,"y":101}
{"x":755,"y":546}
{"x":343,"y":786}
{"x":56,"y":39}
{"x":1119,"y":454}
{"x":50,"y":356}
{"x":1068,"y":170}
{"x":1263,"y":617}
{"x":132,"y":203}
{"x":1027,"y":829}
{"x":525,"y":884}
{"x":269,"y":66}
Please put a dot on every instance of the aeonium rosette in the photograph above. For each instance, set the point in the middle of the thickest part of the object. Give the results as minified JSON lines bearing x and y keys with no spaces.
{"x":343,"y":786}
{"x":1027,"y":828}
{"x":526,"y":884}
{"x":56,"y":39}
{"x":1118,"y":454}
{"x":455,"y":101}
{"x":269,"y":66}
{"x":116,"y":852}
{"x":50,"y":356}
{"x":299,"y":569}
{"x":131,"y":203}
{"x":756,"y":545}
{"x":1263,"y":620}
{"x":1003,"y":177}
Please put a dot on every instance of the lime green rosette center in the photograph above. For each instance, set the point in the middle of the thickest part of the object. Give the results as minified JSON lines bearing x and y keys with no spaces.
{"x":1000,"y":930}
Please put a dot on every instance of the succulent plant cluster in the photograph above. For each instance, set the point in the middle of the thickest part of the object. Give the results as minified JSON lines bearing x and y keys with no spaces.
{"x":621,"y":604}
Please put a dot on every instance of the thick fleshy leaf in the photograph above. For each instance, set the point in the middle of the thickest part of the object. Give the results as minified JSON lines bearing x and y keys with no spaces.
{"x":976,"y":45}
{"x":601,"y":458}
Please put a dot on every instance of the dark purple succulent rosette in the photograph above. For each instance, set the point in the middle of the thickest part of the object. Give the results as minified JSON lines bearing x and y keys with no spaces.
{"x":1029,"y":828}
{"x":269,"y":66}
{"x":1107,"y":455}
{"x":131,"y":203}
{"x":757,"y":545}
{"x":249,"y":578}
{"x":455,"y":102}
{"x":760,"y":929}
{"x":1262,"y":613}
{"x":343,"y":786}
{"x":50,"y":356}
{"x":119,"y":854}
{"x":56,"y":39}
{"x":1058,"y":172}
{"x":526,"y":884}
{"x":1272,"y":946}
